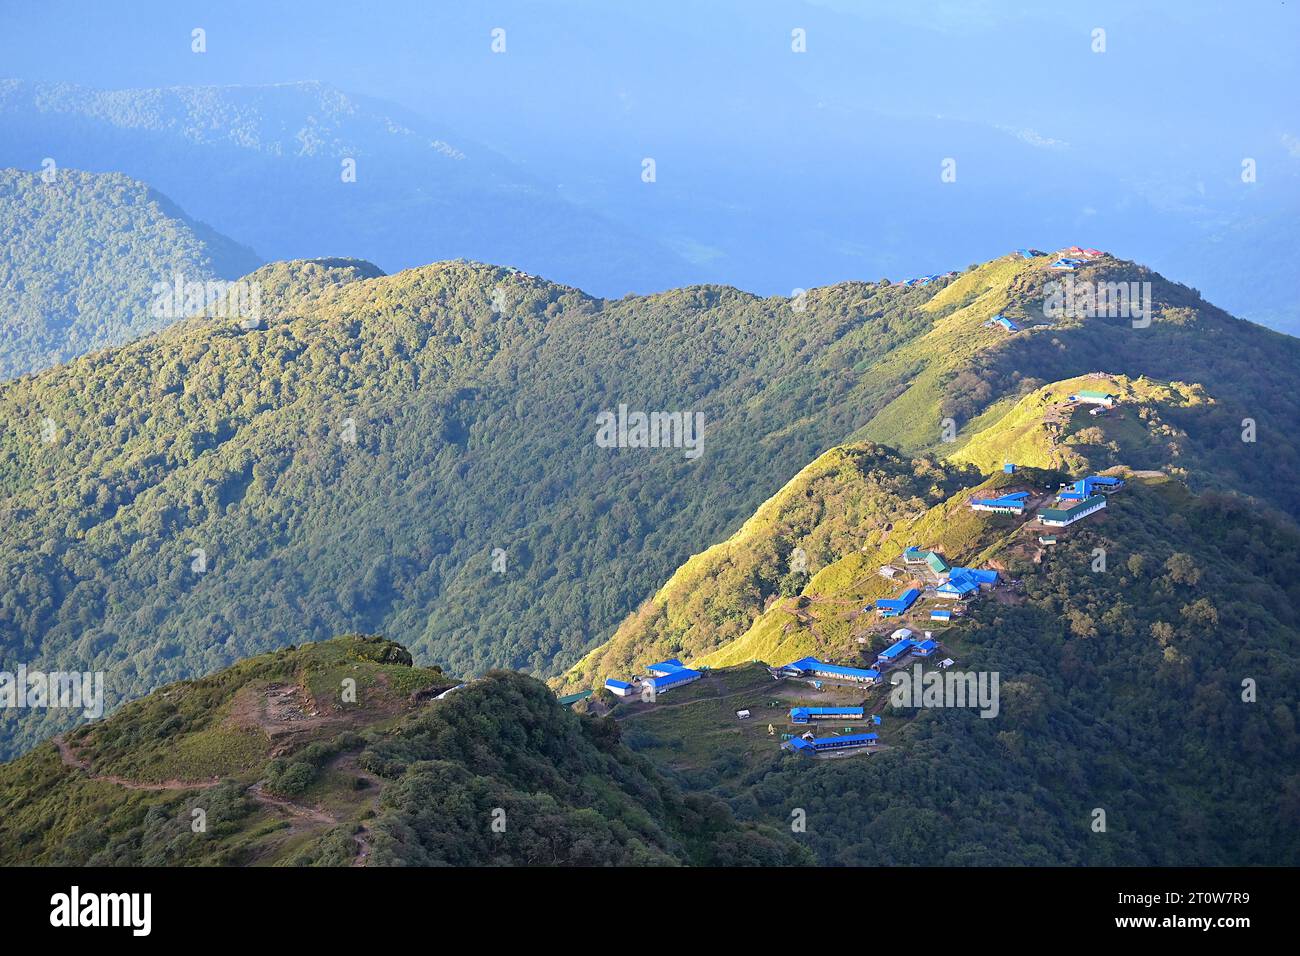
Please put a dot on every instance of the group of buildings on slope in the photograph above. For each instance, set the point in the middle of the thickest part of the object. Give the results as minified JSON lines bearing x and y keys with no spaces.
{"x":1074,"y":501}
{"x":662,"y":676}
{"x":1077,"y":500}
{"x":926,"y":280}
{"x":1067,"y":259}
{"x":951,"y":583}
{"x":905,"y":646}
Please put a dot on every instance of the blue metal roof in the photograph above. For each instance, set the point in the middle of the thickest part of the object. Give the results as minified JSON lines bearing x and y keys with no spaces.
{"x":621,"y":685}
{"x":670,"y":665}
{"x":927,"y":645}
{"x":976,"y":575}
{"x":826,"y":711}
{"x":835,"y":670}
{"x":676,"y":677}
{"x":958,"y":584}
{"x":897,"y":649}
{"x":1085,"y":487}
{"x":1016,"y":500}
{"x":831,"y":743}
{"x":900,"y":603}
{"x":937,"y":615}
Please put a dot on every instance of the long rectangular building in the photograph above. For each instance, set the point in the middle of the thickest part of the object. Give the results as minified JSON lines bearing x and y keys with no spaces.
{"x":892,"y":607}
{"x":664,"y":668}
{"x":822,"y":744}
{"x":677,"y":678}
{"x":1012,"y":504}
{"x":894,"y":652}
{"x":811,"y":665}
{"x":803,"y":715}
{"x":1061,"y":517}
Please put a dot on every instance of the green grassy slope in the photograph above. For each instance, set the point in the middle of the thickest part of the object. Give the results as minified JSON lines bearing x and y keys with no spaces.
{"x":845,"y":502}
{"x":727,"y":605}
{"x":1123,"y":689}
{"x":287,"y":769}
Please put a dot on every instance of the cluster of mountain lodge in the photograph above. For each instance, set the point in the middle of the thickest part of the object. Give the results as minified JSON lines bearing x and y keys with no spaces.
{"x":662,"y":676}
{"x":1067,"y":260}
{"x":926,"y":280}
{"x":1074,"y":501}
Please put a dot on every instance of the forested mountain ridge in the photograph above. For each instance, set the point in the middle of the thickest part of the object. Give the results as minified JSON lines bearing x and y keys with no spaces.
{"x":338,"y":754}
{"x":360,"y":458}
{"x":83,"y":252}
{"x":416,"y":453}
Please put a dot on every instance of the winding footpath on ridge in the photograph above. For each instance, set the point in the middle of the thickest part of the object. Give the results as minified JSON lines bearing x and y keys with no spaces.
{"x":70,"y":759}
{"x":312,"y":815}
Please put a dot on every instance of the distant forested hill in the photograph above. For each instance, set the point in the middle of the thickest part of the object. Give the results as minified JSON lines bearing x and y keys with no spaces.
{"x":304,"y":169}
{"x":415,"y":454}
{"x":81,"y":255}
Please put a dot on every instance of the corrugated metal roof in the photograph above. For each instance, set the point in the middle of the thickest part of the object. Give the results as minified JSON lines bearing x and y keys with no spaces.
{"x":826,"y":711}
{"x":676,"y":677}
{"x":896,"y":649}
{"x":900,"y":603}
{"x":672,"y":663}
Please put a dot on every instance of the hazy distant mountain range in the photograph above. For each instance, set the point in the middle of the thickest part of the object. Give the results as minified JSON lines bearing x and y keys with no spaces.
{"x":268,"y":165}
{"x":855,"y":193}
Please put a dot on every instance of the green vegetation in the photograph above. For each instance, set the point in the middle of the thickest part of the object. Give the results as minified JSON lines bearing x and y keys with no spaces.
{"x":82,"y":255}
{"x":394,"y":778}
{"x":474,"y":430}
{"x":846,"y":502}
{"x":1123,"y":690}
{"x":474,"y":392}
